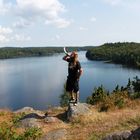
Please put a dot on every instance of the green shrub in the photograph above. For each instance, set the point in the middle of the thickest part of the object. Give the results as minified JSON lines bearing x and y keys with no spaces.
{"x":106,"y":104}
{"x":105,"y":100}
{"x":136,"y":84}
{"x":135,"y":95}
{"x":2,"y":113}
{"x":98,"y":95}
{"x":16,"y":118}
{"x":32,"y":133}
{"x":120,"y":98}
{"x":120,"y":103}
{"x":8,"y":132}
{"x":89,"y":100}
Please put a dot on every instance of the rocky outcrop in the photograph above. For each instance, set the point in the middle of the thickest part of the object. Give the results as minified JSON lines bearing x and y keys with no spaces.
{"x":77,"y":110}
{"x":30,"y":110}
{"x":59,"y":134}
{"x":54,"y":122}
{"x":118,"y":136}
{"x":126,"y":135}
{"x":49,"y":119}
{"x":35,"y":118}
{"x":38,"y":119}
{"x":30,"y":122}
{"x":24,"y":110}
{"x":31,"y":117}
{"x":135,"y":135}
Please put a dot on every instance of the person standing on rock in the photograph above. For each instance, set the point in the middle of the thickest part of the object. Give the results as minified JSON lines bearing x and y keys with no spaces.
{"x":74,"y":73}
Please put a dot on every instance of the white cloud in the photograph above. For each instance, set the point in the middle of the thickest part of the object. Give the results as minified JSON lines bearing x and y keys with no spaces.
{"x":5,"y":30}
{"x":4,"y":39}
{"x":83,"y":28}
{"x":22,"y":23}
{"x":58,"y":37}
{"x":4,"y":7}
{"x":21,"y":38}
{"x":4,"y":34}
{"x":7,"y":35}
{"x":113,"y":2}
{"x":32,"y":11}
{"x":85,"y":4}
{"x":60,"y":22}
{"x":131,"y":4}
{"x":93,"y":19}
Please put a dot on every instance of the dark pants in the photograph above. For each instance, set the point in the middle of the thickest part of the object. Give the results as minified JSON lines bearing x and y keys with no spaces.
{"x":72,"y":85}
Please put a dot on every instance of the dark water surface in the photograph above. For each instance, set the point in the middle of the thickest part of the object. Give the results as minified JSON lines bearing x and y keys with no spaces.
{"x":38,"y":81}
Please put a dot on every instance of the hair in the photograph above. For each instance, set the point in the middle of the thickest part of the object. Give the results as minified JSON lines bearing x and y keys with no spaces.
{"x":75,"y":58}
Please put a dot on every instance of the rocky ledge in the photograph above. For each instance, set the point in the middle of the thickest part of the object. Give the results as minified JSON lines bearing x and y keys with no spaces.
{"x":38,"y":119}
{"x":125,"y":135}
{"x":77,"y":110}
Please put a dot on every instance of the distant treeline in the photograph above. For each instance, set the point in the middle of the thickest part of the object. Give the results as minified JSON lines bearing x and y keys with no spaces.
{"x":13,"y":52}
{"x":121,"y":53}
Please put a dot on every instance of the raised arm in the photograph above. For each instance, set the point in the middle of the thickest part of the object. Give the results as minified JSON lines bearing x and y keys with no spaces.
{"x":66,"y":58}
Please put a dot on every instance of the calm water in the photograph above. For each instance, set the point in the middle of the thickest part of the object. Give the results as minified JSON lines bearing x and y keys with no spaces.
{"x":38,"y":81}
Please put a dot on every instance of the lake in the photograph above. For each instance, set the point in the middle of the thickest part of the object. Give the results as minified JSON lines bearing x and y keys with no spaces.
{"x":38,"y":82}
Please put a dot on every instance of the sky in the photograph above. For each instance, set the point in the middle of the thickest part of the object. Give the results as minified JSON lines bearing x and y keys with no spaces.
{"x":35,"y":23}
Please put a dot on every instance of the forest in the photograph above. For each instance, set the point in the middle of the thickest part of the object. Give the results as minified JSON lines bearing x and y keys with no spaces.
{"x":15,"y":52}
{"x":121,"y":53}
